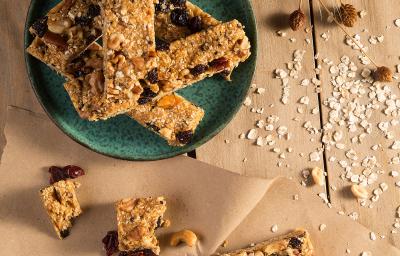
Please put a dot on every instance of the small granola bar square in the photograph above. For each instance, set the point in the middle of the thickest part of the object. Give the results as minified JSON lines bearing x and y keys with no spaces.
{"x":137,"y":221}
{"x":62,"y":206}
{"x":296,"y":243}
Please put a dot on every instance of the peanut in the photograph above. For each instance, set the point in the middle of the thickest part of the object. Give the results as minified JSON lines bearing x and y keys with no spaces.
{"x":318,"y":176}
{"x":185,"y":236}
{"x":359,"y":192}
{"x":169,"y":101}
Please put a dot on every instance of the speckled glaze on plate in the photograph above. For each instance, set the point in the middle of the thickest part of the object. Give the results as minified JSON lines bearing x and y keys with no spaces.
{"x":122,"y":137}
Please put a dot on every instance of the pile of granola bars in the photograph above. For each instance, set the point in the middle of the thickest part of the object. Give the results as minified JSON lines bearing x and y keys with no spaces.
{"x":150,"y":49}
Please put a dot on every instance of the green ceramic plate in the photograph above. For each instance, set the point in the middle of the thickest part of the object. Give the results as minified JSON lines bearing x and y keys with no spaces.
{"x":122,"y":137}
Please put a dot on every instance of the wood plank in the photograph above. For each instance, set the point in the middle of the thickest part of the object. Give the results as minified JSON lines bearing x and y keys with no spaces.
{"x":274,"y":52}
{"x":381,"y":14}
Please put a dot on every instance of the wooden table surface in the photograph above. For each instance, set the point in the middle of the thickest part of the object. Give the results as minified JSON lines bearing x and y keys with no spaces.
{"x":227,"y":150}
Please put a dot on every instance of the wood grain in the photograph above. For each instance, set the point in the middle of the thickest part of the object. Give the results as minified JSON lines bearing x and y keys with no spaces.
{"x":381,"y":14}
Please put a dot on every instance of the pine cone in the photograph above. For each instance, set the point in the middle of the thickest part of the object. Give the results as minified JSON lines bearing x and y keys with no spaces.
{"x":348,"y":15}
{"x":383,"y":74}
{"x":297,"y":20}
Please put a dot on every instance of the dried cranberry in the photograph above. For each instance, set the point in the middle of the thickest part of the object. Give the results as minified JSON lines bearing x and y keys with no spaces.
{"x":64,"y":233}
{"x":179,"y":17}
{"x":110,"y":242}
{"x":184,"y":137}
{"x":145,"y":252}
{"x":225,"y":73}
{"x":198,"y":70}
{"x":73,"y":171}
{"x":295,"y":243}
{"x":152,"y":76}
{"x":179,"y":3}
{"x":195,"y":24}
{"x":219,"y":64}
{"x":57,"y":174}
{"x":162,"y":6}
{"x":94,"y":10}
{"x":83,"y":21}
{"x":40,"y":26}
{"x":146,"y":96}
{"x":161,"y":45}
{"x":91,"y":38}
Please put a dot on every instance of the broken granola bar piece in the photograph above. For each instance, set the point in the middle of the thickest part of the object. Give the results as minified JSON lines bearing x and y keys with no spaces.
{"x":129,"y":53}
{"x":62,"y":205}
{"x":65,"y":32}
{"x":296,"y":243}
{"x":216,"y":50}
{"x":137,"y":221}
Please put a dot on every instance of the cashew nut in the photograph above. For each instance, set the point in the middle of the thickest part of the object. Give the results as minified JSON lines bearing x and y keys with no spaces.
{"x":359,"y":191}
{"x":318,"y":176}
{"x":184,"y":236}
{"x":115,"y":40}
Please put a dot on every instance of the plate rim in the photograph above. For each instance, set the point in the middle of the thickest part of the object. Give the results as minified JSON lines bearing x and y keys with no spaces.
{"x":200,"y":142}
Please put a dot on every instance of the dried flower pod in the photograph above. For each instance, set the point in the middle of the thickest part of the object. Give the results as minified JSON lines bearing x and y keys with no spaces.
{"x":297,"y":20}
{"x":383,"y":74}
{"x":348,"y":15}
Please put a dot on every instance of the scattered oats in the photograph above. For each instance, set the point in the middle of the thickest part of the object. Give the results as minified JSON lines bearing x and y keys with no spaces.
{"x":260,"y":110}
{"x":341,"y":213}
{"x":260,"y":141}
{"x":304,"y":100}
{"x":394,"y":173}
{"x":260,"y":90}
{"x":305,"y":82}
{"x":300,"y":110}
{"x":384,"y":186}
{"x":354,"y":216}
{"x":242,"y":136}
{"x":281,"y":33}
{"x":372,"y":236}
{"x":322,"y":227}
{"x":314,"y":156}
{"x":253,"y":110}
{"x":397,"y":22}
{"x":348,"y":251}
{"x":276,"y":150}
{"x":292,"y":40}
{"x":282,"y":155}
{"x":269,"y":127}
{"x":316,"y":81}
{"x":380,"y":38}
{"x":227,"y":141}
{"x":274,"y":228}
{"x":324,"y":197}
{"x":244,"y":160}
{"x":252,"y":134}
{"x":325,"y":36}
{"x":366,"y":254}
{"x":362,"y":13}
{"x":247,"y":101}
{"x":253,"y":86}
{"x":308,"y":41}
{"x":282,"y":130}
{"x":395,"y":145}
{"x":289,"y":150}
{"x":397,"y":184}
{"x":296,"y":197}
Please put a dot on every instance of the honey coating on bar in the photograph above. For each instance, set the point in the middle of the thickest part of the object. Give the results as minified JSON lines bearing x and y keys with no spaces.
{"x":297,"y":243}
{"x":137,"y":220}
{"x":66,"y":31}
{"x":62,"y":205}
{"x":218,"y":49}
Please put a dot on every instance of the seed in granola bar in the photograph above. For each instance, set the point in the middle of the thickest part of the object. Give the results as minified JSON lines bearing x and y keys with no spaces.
{"x":110,"y":242}
{"x":74,"y":171}
{"x":83,"y":21}
{"x":40,"y":26}
{"x":152,"y":76}
{"x":179,"y":3}
{"x":94,"y":10}
{"x":184,"y":137}
{"x":152,"y":127}
{"x":161,"y":45}
{"x":295,"y":243}
{"x":195,"y":24}
{"x":57,"y":174}
{"x":198,"y":70}
{"x":180,"y":17}
{"x":219,"y":64}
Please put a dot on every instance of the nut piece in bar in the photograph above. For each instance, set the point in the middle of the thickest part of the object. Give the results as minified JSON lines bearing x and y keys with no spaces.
{"x":65,"y":32}
{"x":218,"y":49}
{"x":178,"y":19}
{"x":296,"y":243}
{"x":137,"y":220}
{"x":62,"y":205}
{"x":129,"y":52}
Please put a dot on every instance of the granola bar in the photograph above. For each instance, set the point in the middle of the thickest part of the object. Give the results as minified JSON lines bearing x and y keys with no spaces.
{"x":175,"y":20}
{"x":297,"y":243}
{"x":137,"y":220}
{"x":65,"y":32}
{"x":218,"y":49}
{"x":129,"y":53}
{"x":62,"y":205}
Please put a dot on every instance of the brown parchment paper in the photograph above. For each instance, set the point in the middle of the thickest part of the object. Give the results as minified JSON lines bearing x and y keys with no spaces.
{"x":214,"y":203}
